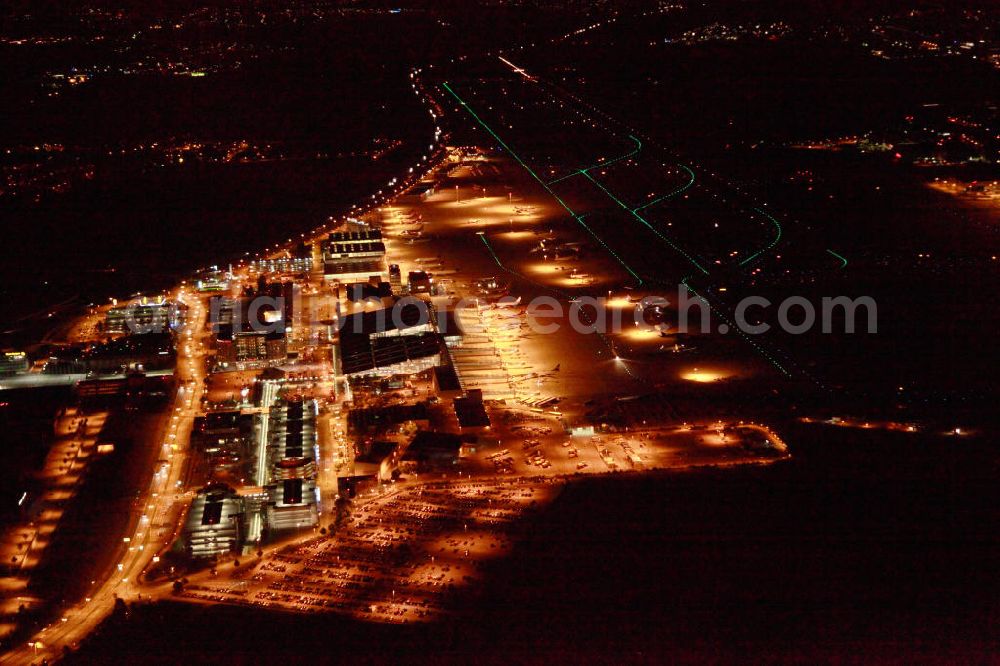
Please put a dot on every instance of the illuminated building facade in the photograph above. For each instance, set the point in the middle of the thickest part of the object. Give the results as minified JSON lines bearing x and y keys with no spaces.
{"x":214,"y":524}
{"x":143,"y":316}
{"x":353,"y":256}
{"x":13,"y":363}
{"x":291,"y":458}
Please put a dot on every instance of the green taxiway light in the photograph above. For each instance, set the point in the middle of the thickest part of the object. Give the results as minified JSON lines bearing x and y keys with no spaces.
{"x":542,"y":182}
{"x":774,"y":241}
{"x":579,"y":172}
{"x":650,"y":226}
{"x":671,"y":194}
{"x":843,"y":261}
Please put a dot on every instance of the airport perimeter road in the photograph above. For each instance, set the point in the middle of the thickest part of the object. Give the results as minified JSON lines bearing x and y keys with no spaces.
{"x":153,"y":526}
